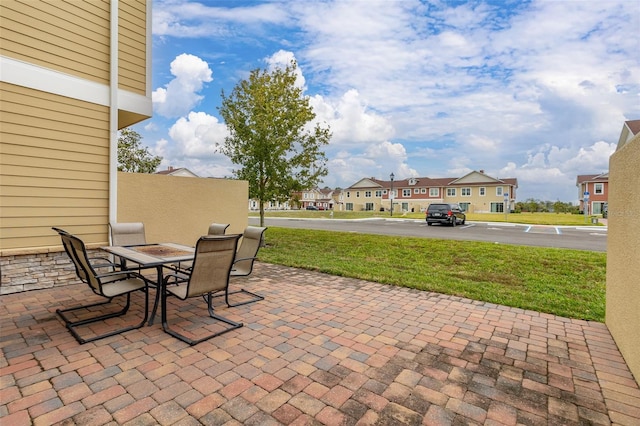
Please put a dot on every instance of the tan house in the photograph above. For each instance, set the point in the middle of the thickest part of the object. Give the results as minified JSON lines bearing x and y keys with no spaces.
{"x":623,"y":247}
{"x":475,"y":192}
{"x":71,"y":75}
{"x":322,"y":199}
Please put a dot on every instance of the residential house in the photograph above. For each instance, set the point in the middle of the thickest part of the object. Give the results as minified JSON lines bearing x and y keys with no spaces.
{"x":593,"y":191}
{"x":72,"y":75}
{"x":475,"y":192}
{"x":316,"y":197}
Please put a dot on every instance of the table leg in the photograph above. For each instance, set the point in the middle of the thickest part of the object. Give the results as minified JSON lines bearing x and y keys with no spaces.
{"x":158,"y":293}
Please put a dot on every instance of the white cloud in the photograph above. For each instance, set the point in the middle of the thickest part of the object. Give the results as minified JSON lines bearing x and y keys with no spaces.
{"x":350,"y":120}
{"x":281,"y":59}
{"x":198,"y":135}
{"x":534,"y":90}
{"x":180,"y":95}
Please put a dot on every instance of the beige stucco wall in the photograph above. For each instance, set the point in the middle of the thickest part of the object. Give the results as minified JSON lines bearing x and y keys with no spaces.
{"x":180,"y":209}
{"x":623,"y":252}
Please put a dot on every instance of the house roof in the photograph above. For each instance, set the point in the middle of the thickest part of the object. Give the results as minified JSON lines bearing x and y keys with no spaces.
{"x":630,"y":129}
{"x":634,"y":126}
{"x":601,"y":177}
{"x":180,"y":171}
{"x":471,"y":179}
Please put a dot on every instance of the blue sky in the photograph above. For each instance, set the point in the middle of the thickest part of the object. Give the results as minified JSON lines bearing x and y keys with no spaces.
{"x":533,"y":90}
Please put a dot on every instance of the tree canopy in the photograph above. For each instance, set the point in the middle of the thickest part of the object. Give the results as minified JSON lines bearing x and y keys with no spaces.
{"x":132,"y":156}
{"x":271,"y":137}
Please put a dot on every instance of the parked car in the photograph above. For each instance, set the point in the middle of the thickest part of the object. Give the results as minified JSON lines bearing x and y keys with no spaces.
{"x":312,"y":208}
{"x":445,"y":213}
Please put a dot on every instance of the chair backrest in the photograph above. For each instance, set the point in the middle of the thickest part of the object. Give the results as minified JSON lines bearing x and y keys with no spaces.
{"x":77,"y":251}
{"x":251,"y":242}
{"x":127,"y":234}
{"x":218,"y":228}
{"x":212,"y":264}
{"x":68,"y":248}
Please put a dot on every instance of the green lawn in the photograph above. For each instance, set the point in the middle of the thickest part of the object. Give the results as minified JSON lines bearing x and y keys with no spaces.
{"x":528,"y":218}
{"x":564,"y":282}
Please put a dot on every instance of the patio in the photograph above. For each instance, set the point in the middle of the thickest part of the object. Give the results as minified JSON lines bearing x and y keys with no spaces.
{"x":319,"y":349}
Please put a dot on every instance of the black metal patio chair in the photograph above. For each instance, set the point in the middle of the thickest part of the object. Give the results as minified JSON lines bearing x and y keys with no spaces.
{"x":209,"y":274}
{"x":105,"y":284}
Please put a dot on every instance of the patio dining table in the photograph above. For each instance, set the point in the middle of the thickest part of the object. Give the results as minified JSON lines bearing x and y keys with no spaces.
{"x":154,"y":256}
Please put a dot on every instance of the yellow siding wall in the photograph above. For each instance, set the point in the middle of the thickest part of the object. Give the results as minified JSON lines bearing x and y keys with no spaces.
{"x":132,"y":46}
{"x":67,"y":36}
{"x":54,"y":158}
{"x":623,"y":253}
{"x":180,"y":209}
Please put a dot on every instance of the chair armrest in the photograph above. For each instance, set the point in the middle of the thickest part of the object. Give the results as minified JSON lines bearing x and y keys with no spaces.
{"x":125,"y":274}
{"x":101,"y":262}
{"x":179,"y":277}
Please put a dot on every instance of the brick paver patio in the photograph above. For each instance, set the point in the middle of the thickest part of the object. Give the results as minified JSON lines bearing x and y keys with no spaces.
{"x":319,"y":349}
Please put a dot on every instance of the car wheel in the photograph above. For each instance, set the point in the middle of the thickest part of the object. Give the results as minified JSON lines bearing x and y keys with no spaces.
{"x":454,"y":221}
{"x":463,"y":221}
{"x":429,"y":223}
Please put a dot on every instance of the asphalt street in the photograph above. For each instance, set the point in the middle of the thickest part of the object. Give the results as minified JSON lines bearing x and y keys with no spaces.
{"x":591,"y":238}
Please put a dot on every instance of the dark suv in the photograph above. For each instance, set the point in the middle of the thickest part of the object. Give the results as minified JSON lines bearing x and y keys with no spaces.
{"x":446,"y":213}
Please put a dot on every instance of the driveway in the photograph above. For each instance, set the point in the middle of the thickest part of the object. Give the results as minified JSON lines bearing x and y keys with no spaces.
{"x":591,"y":238}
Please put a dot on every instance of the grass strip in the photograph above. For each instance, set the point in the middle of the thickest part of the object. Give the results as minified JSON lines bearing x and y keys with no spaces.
{"x":569,"y":283}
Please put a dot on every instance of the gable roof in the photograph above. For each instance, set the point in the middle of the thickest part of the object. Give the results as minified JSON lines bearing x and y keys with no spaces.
{"x":180,"y":171}
{"x":476,"y":177}
{"x":602,"y":177}
{"x":630,"y":129}
{"x":634,"y":126}
{"x":368,"y":183}
{"x":473,"y":178}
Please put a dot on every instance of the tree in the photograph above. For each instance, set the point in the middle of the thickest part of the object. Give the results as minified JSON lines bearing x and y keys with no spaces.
{"x":132,"y":157}
{"x":270,"y":137}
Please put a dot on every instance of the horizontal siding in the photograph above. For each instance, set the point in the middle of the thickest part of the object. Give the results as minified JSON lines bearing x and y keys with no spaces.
{"x":54,"y":167}
{"x":132,"y":46}
{"x":66,"y":36}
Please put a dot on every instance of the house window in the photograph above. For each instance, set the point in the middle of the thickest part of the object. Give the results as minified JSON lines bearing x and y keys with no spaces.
{"x":498,"y":190}
{"x":367,"y":194}
{"x":357,"y":194}
{"x":483,"y":191}
{"x":349,"y":206}
{"x":423,"y":190}
{"x":416,"y":191}
{"x":368,"y":206}
{"x":348,"y":194}
{"x":378,"y":193}
{"x":434,"y":192}
{"x":406,"y":193}
{"x":497,"y":207}
{"x":598,"y":188}
{"x":465,"y":192}
{"x":464,"y":207}
{"x":451,"y":192}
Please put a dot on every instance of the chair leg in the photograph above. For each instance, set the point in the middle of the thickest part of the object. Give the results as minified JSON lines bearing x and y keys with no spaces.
{"x":254,"y":297}
{"x":165,"y":325}
{"x":72,"y":325}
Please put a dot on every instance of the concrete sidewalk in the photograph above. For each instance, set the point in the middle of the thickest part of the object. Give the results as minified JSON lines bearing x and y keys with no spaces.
{"x":318,"y":350}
